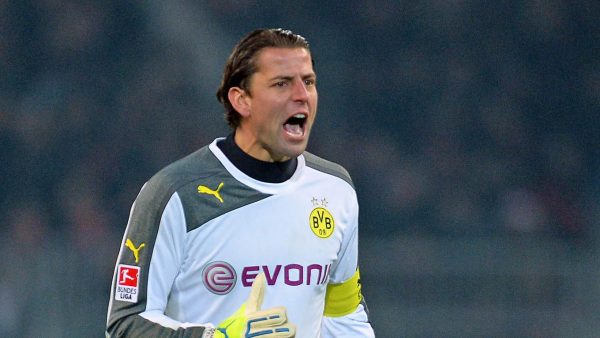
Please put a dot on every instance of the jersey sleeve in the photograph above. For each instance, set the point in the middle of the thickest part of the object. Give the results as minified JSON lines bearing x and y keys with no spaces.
{"x":148,"y":262}
{"x":352,"y":325}
{"x":345,"y":313}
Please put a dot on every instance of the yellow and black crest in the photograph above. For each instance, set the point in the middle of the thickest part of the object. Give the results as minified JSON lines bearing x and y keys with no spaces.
{"x":321,"y":221}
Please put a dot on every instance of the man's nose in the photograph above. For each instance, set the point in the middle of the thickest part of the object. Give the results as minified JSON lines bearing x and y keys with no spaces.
{"x":300,"y":92}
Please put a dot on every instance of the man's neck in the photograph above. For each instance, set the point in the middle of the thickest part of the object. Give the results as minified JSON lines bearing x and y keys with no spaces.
{"x":270,"y":172}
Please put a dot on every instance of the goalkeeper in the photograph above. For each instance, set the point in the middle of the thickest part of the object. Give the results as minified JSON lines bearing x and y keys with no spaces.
{"x":251,"y":235}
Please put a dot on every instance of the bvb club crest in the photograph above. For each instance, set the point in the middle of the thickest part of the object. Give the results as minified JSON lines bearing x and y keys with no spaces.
{"x":320,"y":220}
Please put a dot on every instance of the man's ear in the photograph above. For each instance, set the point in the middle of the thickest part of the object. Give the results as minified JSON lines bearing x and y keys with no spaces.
{"x":239,"y":99}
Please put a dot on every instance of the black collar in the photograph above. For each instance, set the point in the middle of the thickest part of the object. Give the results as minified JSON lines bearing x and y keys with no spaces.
{"x":270,"y":172}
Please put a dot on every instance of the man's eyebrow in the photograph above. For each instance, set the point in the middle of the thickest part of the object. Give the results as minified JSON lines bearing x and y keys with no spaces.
{"x":289,"y":77}
{"x":281,"y":77}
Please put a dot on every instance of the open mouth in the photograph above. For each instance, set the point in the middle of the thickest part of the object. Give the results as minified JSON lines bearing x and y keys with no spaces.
{"x":295,"y":124}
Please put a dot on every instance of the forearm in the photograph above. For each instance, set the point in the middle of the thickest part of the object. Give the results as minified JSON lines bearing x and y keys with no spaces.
{"x":149,"y":324}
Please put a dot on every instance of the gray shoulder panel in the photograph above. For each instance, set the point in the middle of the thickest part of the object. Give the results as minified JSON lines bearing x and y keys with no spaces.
{"x":327,"y":167}
{"x":206,"y":188}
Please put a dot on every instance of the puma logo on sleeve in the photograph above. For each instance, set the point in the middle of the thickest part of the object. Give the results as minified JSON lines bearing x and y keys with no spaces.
{"x":136,"y":251}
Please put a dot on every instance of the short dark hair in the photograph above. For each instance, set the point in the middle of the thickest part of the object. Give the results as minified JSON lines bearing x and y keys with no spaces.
{"x":241,"y":64}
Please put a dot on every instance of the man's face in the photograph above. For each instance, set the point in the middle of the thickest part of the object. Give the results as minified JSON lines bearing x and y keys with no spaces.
{"x":281,"y":105}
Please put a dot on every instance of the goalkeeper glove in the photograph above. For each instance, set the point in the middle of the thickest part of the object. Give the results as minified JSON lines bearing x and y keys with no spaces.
{"x":250,"y":321}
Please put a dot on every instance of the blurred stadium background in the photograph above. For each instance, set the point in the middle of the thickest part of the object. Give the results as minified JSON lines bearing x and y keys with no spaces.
{"x":471,"y":129}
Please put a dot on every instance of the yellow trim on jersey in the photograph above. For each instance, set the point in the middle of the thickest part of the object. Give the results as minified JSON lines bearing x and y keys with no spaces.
{"x":343,"y":299}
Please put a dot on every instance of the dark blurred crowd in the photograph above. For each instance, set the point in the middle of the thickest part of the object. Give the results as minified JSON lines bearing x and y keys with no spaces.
{"x":454,"y":118}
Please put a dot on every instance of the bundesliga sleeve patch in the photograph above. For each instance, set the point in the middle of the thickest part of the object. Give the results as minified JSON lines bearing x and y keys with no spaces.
{"x":127,"y":283}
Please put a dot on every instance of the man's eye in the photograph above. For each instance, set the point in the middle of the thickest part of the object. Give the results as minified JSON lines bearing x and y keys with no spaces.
{"x":280,"y":84}
{"x":309,"y":82}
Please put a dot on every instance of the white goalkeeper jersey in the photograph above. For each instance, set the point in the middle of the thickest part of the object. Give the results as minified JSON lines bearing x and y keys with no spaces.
{"x":201,"y":230}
